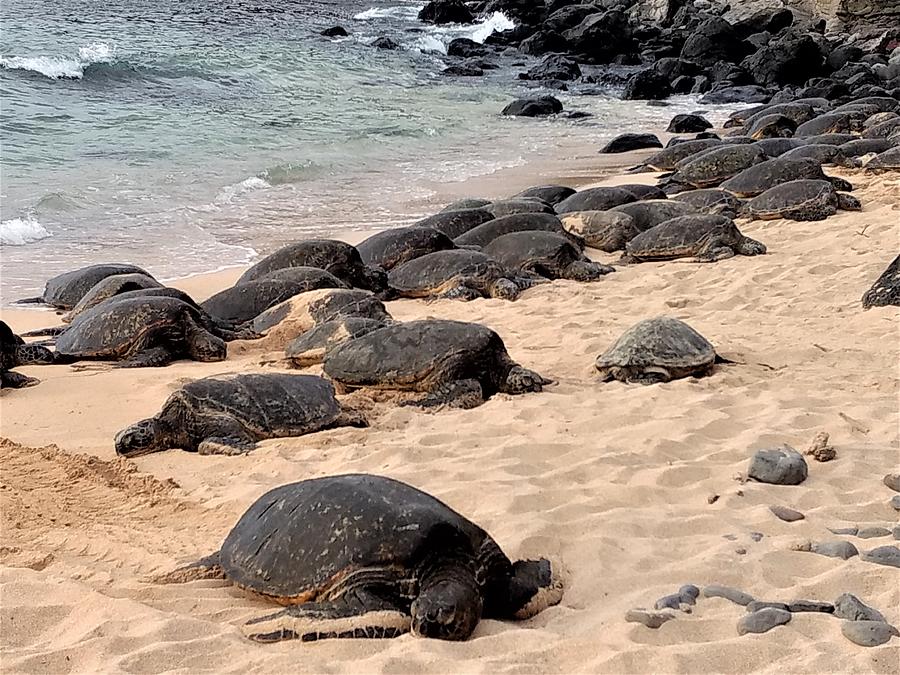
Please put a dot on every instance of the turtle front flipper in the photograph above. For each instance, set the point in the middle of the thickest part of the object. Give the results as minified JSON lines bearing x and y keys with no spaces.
{"x":520,"y":380}
{"x":460,"y":292}
{"x":10,"y":379}
{"x":464,"y":394}
{"x":368,"y":618}
{"x":714,"y":254}
{"x":157,"y":357}
{"x":226,"y":445}
{"x":585,"y":270}
{"x":205,"y":568}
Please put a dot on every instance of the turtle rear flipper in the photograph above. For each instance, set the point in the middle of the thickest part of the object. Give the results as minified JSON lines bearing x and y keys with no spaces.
{"x":208,"y":567}
{"x":156,"y":357}
{"x":45,"y":332}
{"x":584,"y":270}
{"x":10,"y":379}
{"x":39,"y":300}
{"x":463,"y":394}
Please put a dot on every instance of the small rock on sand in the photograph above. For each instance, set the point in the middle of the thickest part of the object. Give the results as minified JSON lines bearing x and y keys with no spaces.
{"x":757,"y":605}
{"x":833,"y":549}
{"x":820,"y":450}
{"x":778,"y":466}
{"x":883,"y":555}
{"x":895,"y":502}
{"x":668,"y":602}
{"x":892,"y":480}
{"x":851,"y":608}
{"x":763,"y":620}
{"x":868,"y":633}
{"x":872,"y":532}
{"x":810,"y":606}
{"x":649,"y":619}
{"x":844,"y":530}
{"x":786,"y":514}
{"x":689,"y":594}
{"x":727,"y":592}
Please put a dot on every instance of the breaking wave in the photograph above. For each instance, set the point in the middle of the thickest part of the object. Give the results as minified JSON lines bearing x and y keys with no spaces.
{"x":62,"y":67}
{"x":21,"y":231}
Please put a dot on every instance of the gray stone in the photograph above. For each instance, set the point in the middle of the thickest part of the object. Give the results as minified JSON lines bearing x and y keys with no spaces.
{"x":649,"y":619}
{"x":778,"y":466}
{"x":786,"y":514}
{"x":895,"y":502}
{"x":763,"y":620}
{"x":736,"y":596}
{"x":756,"y":536}
{"x":883,"y":555}
{"x":872,"y":532}
{"x":844,"y":530}
{"x":810,"y":606}
{"x":835,"y":549}
{"x":896,"y":532}
{"x":892,"y":480}
{"x":757,"y":605}
{"x":689,"y":594}
{"x":668,"y":602}
{"x":868,"y":633}
{"x":851,"y":608}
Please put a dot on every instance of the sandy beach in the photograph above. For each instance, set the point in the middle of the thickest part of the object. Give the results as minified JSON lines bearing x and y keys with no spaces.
{"x":633,"y":490}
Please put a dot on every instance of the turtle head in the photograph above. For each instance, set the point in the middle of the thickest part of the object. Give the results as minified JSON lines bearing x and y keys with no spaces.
{"x":446,"y":609}
{"x":375,"y":279}
{"x":141,"y":438}
{"x":206,"y":347}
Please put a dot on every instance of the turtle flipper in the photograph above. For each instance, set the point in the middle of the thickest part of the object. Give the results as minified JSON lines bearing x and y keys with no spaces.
{"x":44,"y":332}
{"x":715,"y":254}
{"x":10,"y":379}
{"x":534,"y":586}
{"x":318,"y":621}
{"x":520,"y":380}
{"x":31,"y":354}
{"x":464,"y":394}
{"x":584,"y":270}
{"x":226,"y":445}
{"x":461,"y":293}
{"x":149,"y":358}
{"x":205,"y":568}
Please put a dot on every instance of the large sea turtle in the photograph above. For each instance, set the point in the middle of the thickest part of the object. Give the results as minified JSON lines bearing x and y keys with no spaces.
{"x":245,"y":301}
{"x":455,"y":223}
{"x":454,"y":363}
{"x":886,"y":289}
{"x":311,"y":278}
{"x":65,"y":290}
{"x":15,"y":352}
{"x":310,"y":347}
{"x":760,"y":177}
{"x":393,"y":247}
{"x":460,"y":275}
{"x":776,"y":147}
{"x":408,"y":563}
{"x":604,"y":230}
{"x":823,"y":153}
{"x":485,"y":233}
{"x":713,"y":201}
{"x":548,"y":254}
{"x":138,"y":332}
{"x":801,"y":200}
{"x":337,"y":257}
{"x":666,"y":159}
{"x":710,"y":168}
{"x":230,"y":414}
{"x":774,"y":125}
{"x":109,"y":287}
{"x":657,"y":350}
{"x":832,"y":123}
{"x":552,"y":194}
{"x":706,"y":238}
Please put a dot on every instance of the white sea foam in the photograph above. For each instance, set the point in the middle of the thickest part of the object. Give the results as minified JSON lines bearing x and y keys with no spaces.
{"x":21,"y":231}
{"x":408,"y":13}
{"x":230,"y":192}
{"x":62,"y":67}
{"x":496,"y":22}
{"x":429,"y":43}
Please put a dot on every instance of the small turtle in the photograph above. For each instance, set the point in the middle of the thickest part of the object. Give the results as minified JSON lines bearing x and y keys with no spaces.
{"x":454,"y":363}
{"x":108,"y":287}
{"x":456,"y":223}
{"x":823,"y":154}
{"x":230,"y":414}
{"x":886,"y":289}
{"x":509,"y":207}
{"x":832,"y":123}
{"x":139,"y":332}
{"x":772,"y":126}
{"x":889,"y":160}
{"x":760,"y":177}
{"x":648,"y":213}
{"x":408,"y":563}
{"x":485,"y":233}
{"x":548,"y":254}
{"x":311,"y":278}
{"x":705,"y":238}
{"x":465,"y":204}
{"x":245,"y":301}
{"x":398,"y":245}
{"x":65,"y":290}
{"x":658,"y":350}
{"x":337,"y":257}
{"x":310,"y":347}
{"x":604,"y":230}
{"x":595,"y":199}
{"x":801,"y":200}
{"x":776,"y":147}
{"x":665,"y":160}
{"x":714,"y":166}
{"x":713,"y":201}
{"x":458,"y":275}
{"x":14,"y":352}
{"x":552,"y":194}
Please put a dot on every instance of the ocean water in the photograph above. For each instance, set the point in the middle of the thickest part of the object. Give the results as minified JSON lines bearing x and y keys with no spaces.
{"x":188,"y":135}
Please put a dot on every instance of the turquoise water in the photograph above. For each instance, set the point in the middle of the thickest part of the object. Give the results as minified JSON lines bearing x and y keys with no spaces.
{"x":190,"y":135}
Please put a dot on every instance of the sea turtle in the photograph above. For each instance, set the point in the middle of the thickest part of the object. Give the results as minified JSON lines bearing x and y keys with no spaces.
{"x":14,"y":352}
{"x":706,"y":238}
{"x":886,"y":289}
{"x":866,"y":146}
{"x":884,"y":128}
{"x":889,"y":160}
{"x":485,"y":233}
{"x":337,"y":257}
{"x":455,"y":223}
{"x":650,"y":212}
{"x":657,"y":350}
{"x":454,"y":363}
{"x":712,"y":167}
{"x":139,"y":332}
{"x":604,"y":230}
{"x":713,"y":201}
{"x":245,"y":301}
{"x":398,"y":245}
{"x":760,"y":177}
{"x":822,"y":153}
{"x":641,"y":191}
{"x":310,"y":347}
{"x":109,"y":287}
{"x":665,"y":160}
{"x":311,"y":278}
{"x":230,"y":414}
{"x":828,"y":139}
{"x":832,"y":123}
{"x":595,"y":199}
{"x":408,"y":563}
{"x":65,"y":290}
{"x":552,"y":194}
{"x":776,"y":147}
{"x":801,"y":200}
{"x":459,"y":275}
{"x":548,"y":254}
{"x":798,"y":113}
{"x":772,"y":126}
{"x":509,"y":207}
{"x":878,"y":103}
{"x":465,"y":204}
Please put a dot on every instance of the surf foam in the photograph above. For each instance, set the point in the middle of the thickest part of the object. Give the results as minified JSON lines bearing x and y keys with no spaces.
{"x":21,"y":231}
{"x":62,"y":67}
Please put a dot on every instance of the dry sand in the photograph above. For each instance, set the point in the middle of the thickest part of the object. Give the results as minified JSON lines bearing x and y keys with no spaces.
{"x":611,"y":480}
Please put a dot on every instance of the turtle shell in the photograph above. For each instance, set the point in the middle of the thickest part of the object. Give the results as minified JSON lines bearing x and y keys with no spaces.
{"x":327,"y":305}
{"x":311,"y":278}
{"x":545,"y":253}
{"x":797,"y":199}
{"x":678,"y":236}
{"x":865,"y":146}
{"x":719,"y":164}
{"x":823,"y":153}
{"x":888,"y":160}
{"x":595,"y":199}
{"x":109,"y":287}
{"x":465,"y":203}
{"x":651,"y":212}
{"x":508,"y":207}
{"x":311,"y":346}
{"x":828,"y":139}
{"x":418,"y":355}
{"x":772,"y":126}
{"x":552,"y":194}
{"x":455,"y":223}
{"x":776,"y":147}
{"x":886,"y":289}
{"x":832,"y":123}
{"x":713,"y":201}
{"x":661,"y":341}
{"x":244,"y":302}
{"x":643,"y":191}
{"x":66,"y":290}
{"x":396,"y":246}
{"x":9,"y":343}
{"x":269,"y":405}
{"x":517,"y":222}
{"x":298,"y":541}
{"x":665,"y":160}
{"x":432,"y":273}
{"x":758,"y":178}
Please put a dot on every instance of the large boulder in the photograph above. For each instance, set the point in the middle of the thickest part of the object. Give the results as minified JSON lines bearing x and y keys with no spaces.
{"x":568,"y":17}
{"x":601,"y":37}
{"x":446,"y":11}
{"x":714,"y":40}
{"x":793,"y":58}
{"x":465,"y":48}
{"x":771,"y":20}
{"x":647,"y":85}
{"x":533,"y":107}
{"x":522,"y":11}
{"x":629,"y":142}
{"x":542,"y":42}
{"x":554,"y":67}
